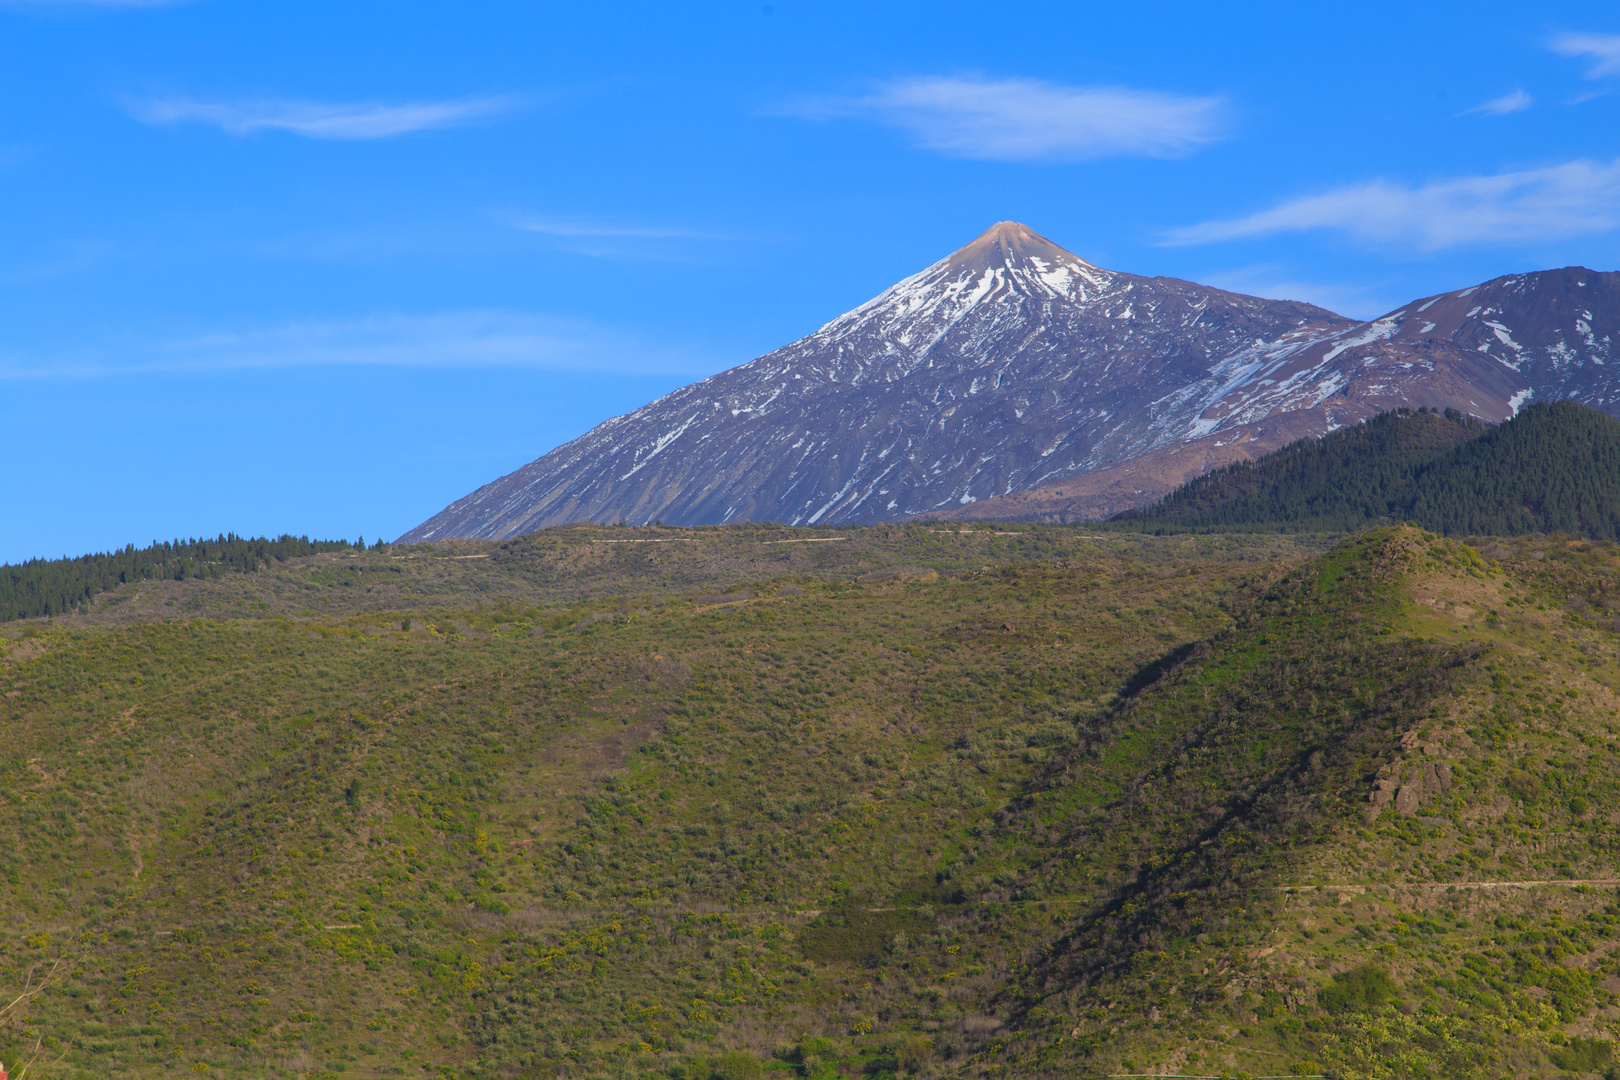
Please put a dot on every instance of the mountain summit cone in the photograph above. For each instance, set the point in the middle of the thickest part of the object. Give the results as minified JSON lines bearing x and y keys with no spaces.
{"x":1015,"y":379}
{"x":1009,"y":243}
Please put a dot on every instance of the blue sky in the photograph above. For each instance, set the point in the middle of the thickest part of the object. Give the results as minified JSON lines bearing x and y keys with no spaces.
{"x":324,"y":268}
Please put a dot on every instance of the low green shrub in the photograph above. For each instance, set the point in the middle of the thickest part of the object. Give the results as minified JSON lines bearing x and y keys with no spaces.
{"x":1361,"y":988}
{"x":1583,"y":1055}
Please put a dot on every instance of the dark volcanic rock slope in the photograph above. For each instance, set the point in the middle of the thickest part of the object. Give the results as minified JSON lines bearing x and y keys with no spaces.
{"x":1484,"y":350}
{"x":1014,"y":379}
{"x":1009,"y":363}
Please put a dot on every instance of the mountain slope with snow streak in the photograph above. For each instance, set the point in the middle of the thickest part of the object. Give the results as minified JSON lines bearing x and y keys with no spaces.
{"x":1015,"y":379}
{"x":1486,"y":351}
{"x":1007,"y":364}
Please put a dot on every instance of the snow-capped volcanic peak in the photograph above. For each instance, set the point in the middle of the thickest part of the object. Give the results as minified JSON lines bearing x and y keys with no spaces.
{"x":1006,"y":364}
{"x":1023,"y":259}
{"x":1012,"y":364}
{"x":1008,"y":267}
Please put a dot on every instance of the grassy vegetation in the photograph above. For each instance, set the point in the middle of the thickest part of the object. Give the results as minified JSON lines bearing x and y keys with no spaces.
{"x":894,"y":801}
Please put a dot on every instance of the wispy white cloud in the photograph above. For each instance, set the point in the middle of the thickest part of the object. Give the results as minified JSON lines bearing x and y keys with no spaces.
{"x":596,"y":238}
{"x":313,"y":120}
{"x":1030,"y":120}
{"x":1575,"y":198}
{"x":584,"y":228}
{"x":1517,"y":101}
{"x":463,"y":339}
{"x":1602,"y":49}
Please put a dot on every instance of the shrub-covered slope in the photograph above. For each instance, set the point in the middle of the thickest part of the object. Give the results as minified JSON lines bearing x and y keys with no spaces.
{"x":268,"y":843}
{"x":1106,"y":813}
{"x":1552,"y":468}
{"x":1393,"y":777}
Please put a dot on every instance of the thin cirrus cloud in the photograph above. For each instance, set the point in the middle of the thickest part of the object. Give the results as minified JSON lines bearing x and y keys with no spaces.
{"x":1533,"y":205}
{"x":635,"y":242}
{"x":1602,"y":49}
{"x":1517,"y":101}
{"x":1029,"y":119}
{"x":314,"y":120}
{"x":582,"y":229}
{"x":457,"y":340}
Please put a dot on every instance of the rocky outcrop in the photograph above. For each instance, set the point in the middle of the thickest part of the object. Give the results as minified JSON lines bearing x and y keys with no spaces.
{"x":1405,"y":784}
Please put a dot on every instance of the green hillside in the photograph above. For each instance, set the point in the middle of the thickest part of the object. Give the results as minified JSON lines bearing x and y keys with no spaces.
{"x":1552,"y":468}
{"x":886,"y":802}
